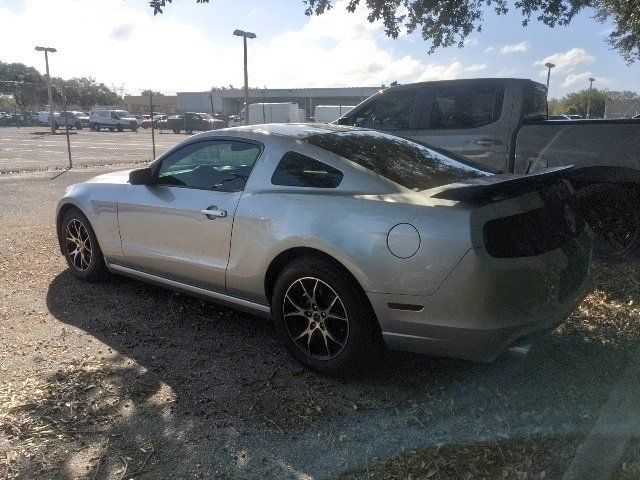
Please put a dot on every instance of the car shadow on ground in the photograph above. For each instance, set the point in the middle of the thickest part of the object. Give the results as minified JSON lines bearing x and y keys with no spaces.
{"x":216,"y":395}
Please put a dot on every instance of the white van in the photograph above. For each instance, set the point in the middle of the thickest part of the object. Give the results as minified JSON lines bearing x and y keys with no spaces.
{"x":268,"y":113}
{"x":43,"y":117}
{"x":329,"y":113}
{"x":112,"y":118}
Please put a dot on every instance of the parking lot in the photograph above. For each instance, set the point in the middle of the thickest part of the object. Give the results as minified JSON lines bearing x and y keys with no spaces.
{"x":126,"y":380}
{"x":34,"y":148}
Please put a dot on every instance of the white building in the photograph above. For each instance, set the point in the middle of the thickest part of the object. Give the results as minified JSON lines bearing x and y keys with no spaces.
{"x":230,"y":101}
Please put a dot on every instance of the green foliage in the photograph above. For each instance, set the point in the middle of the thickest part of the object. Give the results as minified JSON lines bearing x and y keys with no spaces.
{"x":24,"y":83}
{"x":148,"y":92}
{"x":575,"y":103}
{"x":448,"y":22}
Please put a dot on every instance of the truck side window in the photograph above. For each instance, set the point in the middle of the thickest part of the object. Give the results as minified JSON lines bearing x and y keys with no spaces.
{"x":390,"y":111}
{"x":298,"y":170}
{"x":460,"y":107}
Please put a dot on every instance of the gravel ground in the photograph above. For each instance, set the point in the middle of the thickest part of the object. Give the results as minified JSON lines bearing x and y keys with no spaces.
{"x":125,"y":380}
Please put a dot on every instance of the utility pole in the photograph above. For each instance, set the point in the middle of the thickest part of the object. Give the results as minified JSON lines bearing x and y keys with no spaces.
{"x":245,"y":35}
{"x":46,"y":51}
{"x":591,"y":80}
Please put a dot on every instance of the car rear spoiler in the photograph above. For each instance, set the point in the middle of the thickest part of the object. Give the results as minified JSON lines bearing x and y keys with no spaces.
{"x":484,"y":189}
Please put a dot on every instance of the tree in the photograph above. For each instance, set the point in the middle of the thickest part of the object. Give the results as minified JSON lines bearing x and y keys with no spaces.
{"x":84,"y":92}
{"x":25,"y":84}
{"x":448,"y":22}
{"x":146,"y":93}
{"x":575,"y":103}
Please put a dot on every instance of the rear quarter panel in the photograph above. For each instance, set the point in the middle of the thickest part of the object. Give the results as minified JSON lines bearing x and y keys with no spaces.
{"x":352,"y":229}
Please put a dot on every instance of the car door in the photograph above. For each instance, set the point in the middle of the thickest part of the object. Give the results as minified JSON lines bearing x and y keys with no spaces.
{"x":179,"y":226}
{"x":394,"y":111}
{"x":467,"y":120}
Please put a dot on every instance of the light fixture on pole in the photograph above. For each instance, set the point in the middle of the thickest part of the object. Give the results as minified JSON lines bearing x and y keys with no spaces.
{"x":549,"y":66}
{"x":591,"y":80}
{"x":245,"y":35}
{"x":46,"y":51}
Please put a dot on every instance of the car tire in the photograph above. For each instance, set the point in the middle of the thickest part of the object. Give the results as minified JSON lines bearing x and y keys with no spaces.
{"x":119,"y":127}
{"x":189,"y":132}
{"x":324,"y":318}
{"x":80,"y":247}
{"x":111,"y":129}
{"x":613,"y":213}
{"x":78,"y":126}
{"x":176,"y":130}
{"x":134,"y":129}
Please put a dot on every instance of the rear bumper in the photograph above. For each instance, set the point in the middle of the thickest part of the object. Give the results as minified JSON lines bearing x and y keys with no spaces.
{"x":488,"y":304}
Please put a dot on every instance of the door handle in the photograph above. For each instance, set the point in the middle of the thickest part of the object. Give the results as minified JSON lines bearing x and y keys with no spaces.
{"x":214,"y":212}
{"x":488,"y":142}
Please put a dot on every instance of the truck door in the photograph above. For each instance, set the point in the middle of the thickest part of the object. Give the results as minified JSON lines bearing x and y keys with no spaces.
{"x":468,"y":120}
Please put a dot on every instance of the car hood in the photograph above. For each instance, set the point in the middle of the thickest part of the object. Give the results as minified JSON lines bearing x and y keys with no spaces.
{"x":121,"y":177}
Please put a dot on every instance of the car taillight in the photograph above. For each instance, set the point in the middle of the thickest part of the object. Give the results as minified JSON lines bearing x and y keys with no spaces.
{"x":532,"y":233}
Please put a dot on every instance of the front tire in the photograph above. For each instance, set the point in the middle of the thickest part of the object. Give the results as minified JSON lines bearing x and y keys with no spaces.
{"x":323,"y":318}
{"x":176,"y":130}
{"x":80,"y":247}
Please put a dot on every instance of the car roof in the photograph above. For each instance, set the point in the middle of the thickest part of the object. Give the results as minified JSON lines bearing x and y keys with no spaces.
{"x":288,"y":130}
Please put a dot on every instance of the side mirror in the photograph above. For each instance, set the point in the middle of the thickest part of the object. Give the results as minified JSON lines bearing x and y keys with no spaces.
{"x":141,"y":176}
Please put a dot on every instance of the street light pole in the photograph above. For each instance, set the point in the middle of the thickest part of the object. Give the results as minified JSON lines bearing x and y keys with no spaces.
{"x":245,"y":35}
{"x":549,"y":66}
{"x":46,"y":51}
{"x":591,"y":80}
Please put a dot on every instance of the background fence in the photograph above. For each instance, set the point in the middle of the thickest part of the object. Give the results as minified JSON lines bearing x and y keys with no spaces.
{"x":28,"y":143}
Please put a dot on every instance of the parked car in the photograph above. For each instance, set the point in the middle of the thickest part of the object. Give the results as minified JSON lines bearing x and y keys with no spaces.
{"x":193,"y":122}
{"x":113,"y":119}
{"x":348,"y":238}
{"x":147,"y":122}
{"x":43,"y":117}
{"x":74,"y":119}
{"x":330,"y":113}
{"x":501,"y":124}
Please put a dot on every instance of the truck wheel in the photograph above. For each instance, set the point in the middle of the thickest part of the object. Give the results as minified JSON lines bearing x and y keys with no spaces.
{"x":78,"y":126}
{"x":119,"y":127}
{"x":613,"y":213}
{"x":134,"y":129}
{"x":111,"y":129}
{"x":176,"y":130}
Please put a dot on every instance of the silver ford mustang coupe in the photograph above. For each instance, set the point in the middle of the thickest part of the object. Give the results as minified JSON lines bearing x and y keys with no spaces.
{"x":349,"y":239}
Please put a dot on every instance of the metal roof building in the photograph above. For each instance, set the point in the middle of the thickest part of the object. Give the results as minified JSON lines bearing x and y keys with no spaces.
{"x":230,"y":101}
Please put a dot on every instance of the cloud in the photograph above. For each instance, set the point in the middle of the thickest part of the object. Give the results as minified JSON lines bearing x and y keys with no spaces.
{"x":582,"y":80}
{"x":470,"y":42}
{"x":488,"y":49}
{"x":516,"y":48}
{"x":335,"y":49}
{"x":476,"y":67}
{"x":566,"y":62}
{"x":122,"y":32}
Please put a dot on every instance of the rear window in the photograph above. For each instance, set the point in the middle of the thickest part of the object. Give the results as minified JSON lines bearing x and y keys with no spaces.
{"x":406,"y":163}
{"x":535,"y":101}
{"x":298,"y":170}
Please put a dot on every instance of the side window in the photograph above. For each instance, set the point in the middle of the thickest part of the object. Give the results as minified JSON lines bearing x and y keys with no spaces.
{"x":115,"y":116}
{"x":390,"y":111}
{"x":210,"y":165}
{"x":298,"y":170}
{"x":459,"y":107}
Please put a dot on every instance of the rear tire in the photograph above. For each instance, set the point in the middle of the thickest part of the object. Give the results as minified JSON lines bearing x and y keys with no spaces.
{"x":80,"y":247}
{"x":323,"y":318}
{"x":78,"y":126}
{"x":176,"y":130}
{"x":119,"y":127}
{"x":613,"y":213}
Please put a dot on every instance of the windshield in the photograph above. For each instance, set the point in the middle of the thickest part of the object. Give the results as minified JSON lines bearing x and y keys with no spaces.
{"x":122,"y":113}
{"x":409,"y":164}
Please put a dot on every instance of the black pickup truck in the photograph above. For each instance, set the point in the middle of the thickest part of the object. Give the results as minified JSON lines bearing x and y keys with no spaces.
{"x":190,"y":122}
{"x":501,"y":123}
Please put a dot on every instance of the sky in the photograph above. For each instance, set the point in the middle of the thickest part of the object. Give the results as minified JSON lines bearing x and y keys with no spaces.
{"x":191,"y":47}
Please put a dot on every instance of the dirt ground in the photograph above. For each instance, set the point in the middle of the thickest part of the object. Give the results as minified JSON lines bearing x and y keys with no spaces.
{"x":125,"y":380}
